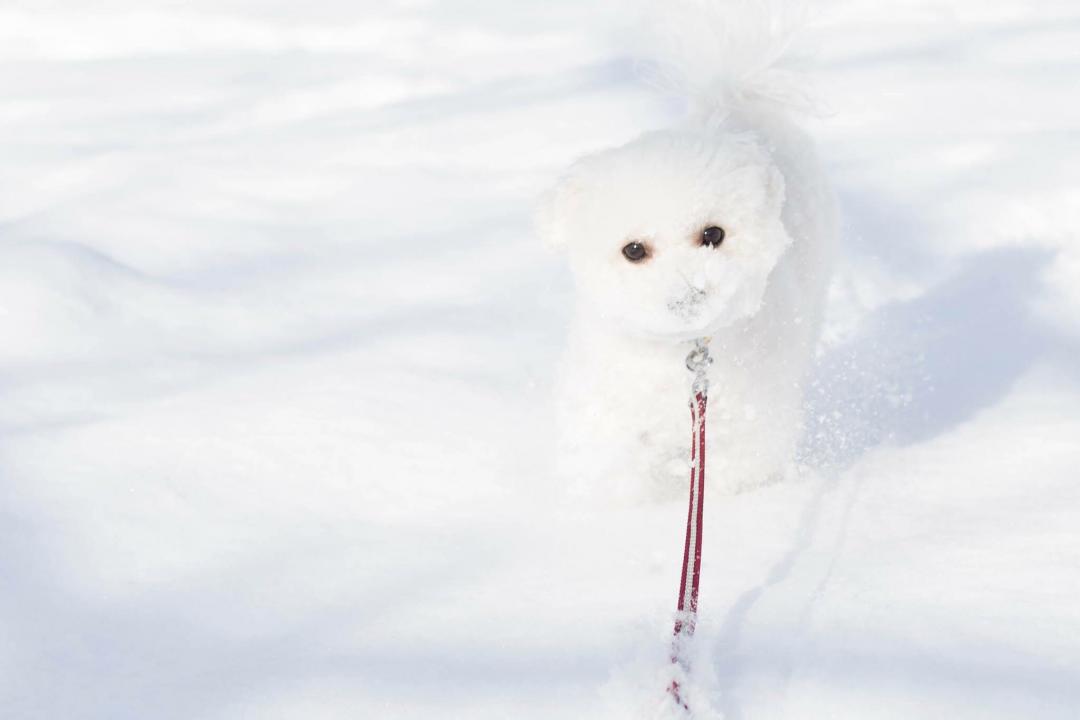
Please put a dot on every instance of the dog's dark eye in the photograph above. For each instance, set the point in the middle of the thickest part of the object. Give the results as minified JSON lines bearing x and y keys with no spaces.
{"x":712,"y":236}
{"x":635,"y":251}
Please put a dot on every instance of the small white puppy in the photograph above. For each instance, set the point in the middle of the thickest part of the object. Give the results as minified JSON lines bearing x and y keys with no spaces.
{"x":719,"y":228}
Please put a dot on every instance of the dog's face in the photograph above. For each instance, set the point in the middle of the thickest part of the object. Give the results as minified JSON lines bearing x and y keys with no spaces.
{"x":673,"y":235}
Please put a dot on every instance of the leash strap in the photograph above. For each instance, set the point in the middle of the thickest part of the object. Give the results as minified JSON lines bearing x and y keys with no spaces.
{"x":691,"y":564}
{"x":686,"y":617}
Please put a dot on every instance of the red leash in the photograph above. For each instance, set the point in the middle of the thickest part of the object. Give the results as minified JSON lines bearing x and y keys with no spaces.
{"x":686,"y":617}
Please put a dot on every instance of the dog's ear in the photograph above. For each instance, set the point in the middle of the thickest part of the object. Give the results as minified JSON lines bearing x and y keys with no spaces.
{"x":774,"y":188}
{"x":554,"y":211}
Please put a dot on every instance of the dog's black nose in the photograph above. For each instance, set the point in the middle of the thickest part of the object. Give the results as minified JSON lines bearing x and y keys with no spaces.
{"x":712,"y":236}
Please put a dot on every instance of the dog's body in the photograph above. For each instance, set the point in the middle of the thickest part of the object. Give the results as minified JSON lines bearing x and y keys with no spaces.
{"x":719,"y":228}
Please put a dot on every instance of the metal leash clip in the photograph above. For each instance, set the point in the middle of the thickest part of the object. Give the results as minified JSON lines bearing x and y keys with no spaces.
{"x":698,"y":362}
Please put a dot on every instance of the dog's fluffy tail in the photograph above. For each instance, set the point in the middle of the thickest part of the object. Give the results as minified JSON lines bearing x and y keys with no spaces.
{"x":724,"y":55}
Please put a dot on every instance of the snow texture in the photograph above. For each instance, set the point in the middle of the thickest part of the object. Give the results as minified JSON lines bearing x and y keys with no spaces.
{"x":279,"y":345}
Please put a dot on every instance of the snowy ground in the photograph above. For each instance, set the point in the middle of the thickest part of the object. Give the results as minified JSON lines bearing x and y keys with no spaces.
{"x":277,"y":347}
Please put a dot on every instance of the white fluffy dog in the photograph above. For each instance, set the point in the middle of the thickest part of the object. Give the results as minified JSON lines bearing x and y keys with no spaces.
{"x":718,"y":228}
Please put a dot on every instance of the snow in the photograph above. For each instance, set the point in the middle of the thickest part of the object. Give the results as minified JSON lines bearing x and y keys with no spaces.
{"x":278,"y":348}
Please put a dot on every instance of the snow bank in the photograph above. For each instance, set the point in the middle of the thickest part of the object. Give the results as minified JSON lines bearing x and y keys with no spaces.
{"x":277,"y":353}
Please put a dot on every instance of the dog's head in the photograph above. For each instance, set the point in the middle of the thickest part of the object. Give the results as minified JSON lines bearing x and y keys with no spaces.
{"x":672,"y":235}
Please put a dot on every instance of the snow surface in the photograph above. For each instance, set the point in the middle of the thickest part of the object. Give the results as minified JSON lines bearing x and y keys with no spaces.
{"x":278,"y":347}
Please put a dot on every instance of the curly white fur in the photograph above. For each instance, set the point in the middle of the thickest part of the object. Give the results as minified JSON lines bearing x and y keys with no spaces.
{"x":737,"y":162}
